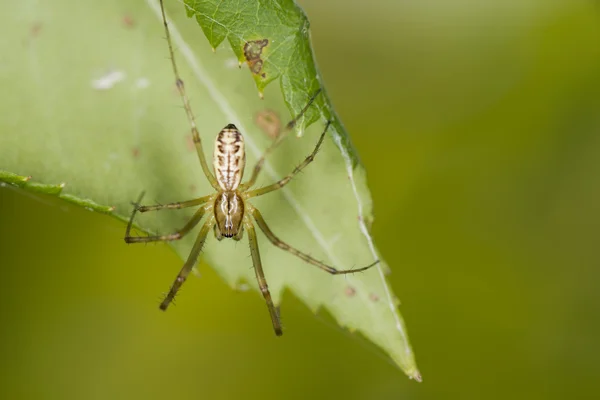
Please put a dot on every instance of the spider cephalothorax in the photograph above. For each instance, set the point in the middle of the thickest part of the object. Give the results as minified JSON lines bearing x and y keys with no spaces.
{"x":228,"y":211}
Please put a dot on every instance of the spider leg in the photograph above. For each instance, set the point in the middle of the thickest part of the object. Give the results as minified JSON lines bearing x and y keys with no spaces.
{"x":176,"y":206}
{"x":285,"y":181}
{"x":184,"y":204}
{"x":167,"y":238}
{"x":186,"y":105}
{"x":284,"y":246}
{"x":189,"y":264}
{"x":260,"y":276}
{"x":289,"y":126}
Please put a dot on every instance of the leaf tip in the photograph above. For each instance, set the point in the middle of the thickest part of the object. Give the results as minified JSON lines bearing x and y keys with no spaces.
{"x":416,"y":375}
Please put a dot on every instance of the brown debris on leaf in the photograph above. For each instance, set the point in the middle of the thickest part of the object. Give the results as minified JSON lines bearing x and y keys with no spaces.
{"x":252,"y":53}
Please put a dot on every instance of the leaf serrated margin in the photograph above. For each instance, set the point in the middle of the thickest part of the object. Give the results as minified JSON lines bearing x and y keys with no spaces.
{"x":412,"y":373}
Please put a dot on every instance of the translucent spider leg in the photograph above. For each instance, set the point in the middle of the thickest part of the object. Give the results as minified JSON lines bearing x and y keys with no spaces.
{"x":284,"y":246}
{"x":189,"y":264}
{"x":186,"y":105}
{"x":260,"y":276}
{"x":173,"y":236}
{"x":290,"y":125}
{"x":285,"y":181}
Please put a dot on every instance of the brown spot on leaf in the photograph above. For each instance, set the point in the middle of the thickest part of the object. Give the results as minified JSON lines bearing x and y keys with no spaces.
{"x":252,"y":53}
{"x":350,"y":291}
{"x":36,"y":29}
{"x":269,"y":122}
{"x":34,"y":32}
{"x":373,"y":297}
{"x":135,"y":152}
{"x":128,"y":21}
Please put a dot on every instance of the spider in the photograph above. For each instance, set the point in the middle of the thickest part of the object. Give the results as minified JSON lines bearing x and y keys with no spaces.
{"x":227,"y":210}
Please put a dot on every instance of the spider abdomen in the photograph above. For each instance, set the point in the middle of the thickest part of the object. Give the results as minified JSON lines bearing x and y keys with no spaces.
{"x":229,"y":158}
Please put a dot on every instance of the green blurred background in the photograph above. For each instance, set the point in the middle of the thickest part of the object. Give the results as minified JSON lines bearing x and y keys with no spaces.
{"x":479,"y":125}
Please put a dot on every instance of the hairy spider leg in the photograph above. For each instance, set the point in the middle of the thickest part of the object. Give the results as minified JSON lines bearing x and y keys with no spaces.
{"x":177,"y":235}
{"x":186,"y":105}
{"x":174,"y":236}
{"x":281,"y":183}
{"x":175,"y":206}
{"x":305,"y":257}
{"x":189,"y":264}
{"x":289,"y":126}
{"x":260,"y":276}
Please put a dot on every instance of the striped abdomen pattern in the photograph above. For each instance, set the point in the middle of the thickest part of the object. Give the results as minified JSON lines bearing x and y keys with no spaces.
{"x":229,"y":158}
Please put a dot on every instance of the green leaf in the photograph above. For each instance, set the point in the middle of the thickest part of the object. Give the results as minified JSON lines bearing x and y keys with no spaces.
{"x":91,"y":114}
